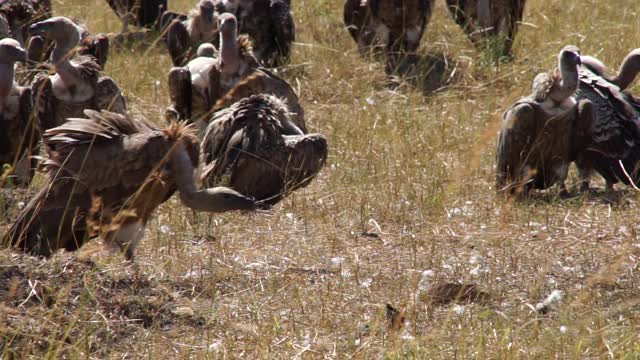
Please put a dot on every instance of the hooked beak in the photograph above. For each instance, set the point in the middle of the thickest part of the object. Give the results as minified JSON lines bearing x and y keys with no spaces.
{"x":38,"y":29}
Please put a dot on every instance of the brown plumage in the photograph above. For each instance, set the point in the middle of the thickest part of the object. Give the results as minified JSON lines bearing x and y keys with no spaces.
{"x":76,"y":84}
{"x":183,"y":36}
{"x":107,"y":173}
{"x":394,"y":26}
{"x":18,"y":131}
{"x":269,"y":24}
{"x":614,"y":147}
{"x":20,"y":14}
{"x":488,"y":19}
{"x":208,"y":84}
{"x":255,"y":148}
{"x":543,"y":133}
{"x":142,"y":13}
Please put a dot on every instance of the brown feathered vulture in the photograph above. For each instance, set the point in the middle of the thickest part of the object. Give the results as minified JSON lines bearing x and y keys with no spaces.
{"x":543,"y":133}
{"x":77,"y":83}
{"x":18,"y":15}
{"x":207,"y":84}
{"x":107,"y":173}
{"x":18,"y":133}
{"x":269,"y":24}
{"x":393,"y":26}
{"x":254,"y":147}
{"x":142,"y":13}
{"x":489,"y":19}
{"x":614,"y":147}
{"x":183,"y":37}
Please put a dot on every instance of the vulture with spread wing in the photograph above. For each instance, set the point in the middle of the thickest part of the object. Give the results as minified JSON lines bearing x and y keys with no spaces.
{"x":393,"y":26}
{"x":76,"y":84}
{"x":18,"y":133}
{"x":489,"y":19}
{"x":208,"y":83}
{"x":256,"y":149}
{"x":614,"y":149}
{"x":107,"y":173}
{"x":142,"y":13}
{"x":184,"y":36}
{"x":543,"y":133}
{"x":269,"y":24}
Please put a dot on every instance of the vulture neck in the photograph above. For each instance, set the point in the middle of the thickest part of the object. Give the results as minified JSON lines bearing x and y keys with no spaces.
{"x":6,"y":82}
{"x":569,"y":81}
{"x":229,"y":53}
{"x":628,"y":71}
{"x":61,"y":58}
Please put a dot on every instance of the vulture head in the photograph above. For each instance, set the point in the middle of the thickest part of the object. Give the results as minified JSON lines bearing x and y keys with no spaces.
{"x":61,"y":30}
{"x":229,"y":56}
{"x":569,"y":57}
{"x":207,"y":12}
{"x":206,"y":50}
{"x":11,"y":51}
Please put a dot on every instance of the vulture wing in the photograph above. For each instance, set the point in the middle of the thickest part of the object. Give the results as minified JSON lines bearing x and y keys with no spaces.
{"x":109,"y":96}
{"x":616,"y":131}
{"x":179,"y":43}
{"x":43,"y":101}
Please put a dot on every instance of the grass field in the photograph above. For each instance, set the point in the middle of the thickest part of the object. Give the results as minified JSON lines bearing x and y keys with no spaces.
{"x":406,"y":202}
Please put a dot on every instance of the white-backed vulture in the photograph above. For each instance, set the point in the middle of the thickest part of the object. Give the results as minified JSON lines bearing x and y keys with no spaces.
{"x":615,"y":140}
{"x":393,"y":26}
{"x":254,"y":148}
{"x":142,"y":13}
{"x":76,"y":84}
{"x":18,"y":133}
{"x":184,"y":36}
{"x":269,"y":24}
{"x":20,"y":14}
{"x":107,"y":173}
{"x":489,"y":19}
{"x":208,"y":84}
{"x":543,"y":133}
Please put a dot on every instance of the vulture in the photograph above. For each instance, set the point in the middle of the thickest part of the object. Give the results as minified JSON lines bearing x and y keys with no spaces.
{"x":544,"y":132}
{"x":256,"y":149}
{"x":208,"y":83}
{"x":18,"y":15}
{"x":184,"y":36}
{"x":614,"y":149}
{"x":106,"y":174}
{"x":18,"y":136}
{"x":269,"y":24}
{"x":487,"y":19}
{"x":394,"y":27}
{"x":142,"y":13}
{"x":76,"y":84}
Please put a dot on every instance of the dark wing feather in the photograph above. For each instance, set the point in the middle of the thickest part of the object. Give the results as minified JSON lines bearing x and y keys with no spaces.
{"x":96,"y":46}
{"x":616,"y":132}
{"x":109,"y":96}
{"x":43,"y":101}
{"x":178,"y":43}
{"x":180,"y":92}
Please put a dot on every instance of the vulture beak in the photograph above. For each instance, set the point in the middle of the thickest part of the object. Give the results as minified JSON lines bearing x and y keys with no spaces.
{"x":39,"y":29}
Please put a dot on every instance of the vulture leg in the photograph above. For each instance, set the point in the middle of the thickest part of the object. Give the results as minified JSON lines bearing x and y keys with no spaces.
{"x":180,"y":94}
{"x":109,"y":96}
{"x":218,"y":199}
{"x":178,"y":41}
{"x":584,"y":123}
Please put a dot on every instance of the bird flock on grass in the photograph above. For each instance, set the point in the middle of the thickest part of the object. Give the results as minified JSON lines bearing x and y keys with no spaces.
{"x":235,"y":136}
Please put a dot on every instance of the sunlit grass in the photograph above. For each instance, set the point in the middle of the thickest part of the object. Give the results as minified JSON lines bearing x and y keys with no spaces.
{"x":409,"y":187}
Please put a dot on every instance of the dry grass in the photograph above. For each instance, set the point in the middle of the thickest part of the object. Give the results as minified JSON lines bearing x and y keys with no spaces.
{"x":409,"y":187}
